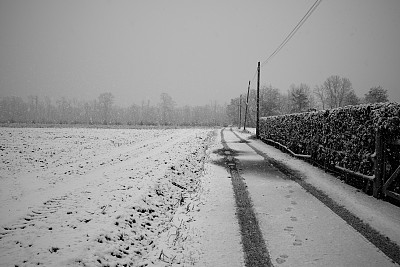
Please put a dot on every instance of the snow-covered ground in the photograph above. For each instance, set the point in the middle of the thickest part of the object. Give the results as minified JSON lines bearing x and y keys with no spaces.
{"x":156,"y":197}
{"x":381,"y":215}
{"x":298,"y":228}
{"x":110,"y":197}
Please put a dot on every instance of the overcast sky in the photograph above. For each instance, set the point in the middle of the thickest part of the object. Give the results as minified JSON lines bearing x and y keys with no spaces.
{"x":196,"y":51}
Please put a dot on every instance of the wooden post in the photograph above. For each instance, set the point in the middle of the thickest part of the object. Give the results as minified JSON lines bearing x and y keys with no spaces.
{"x":238,"y":116}
{"x":240,"y":110}
{"x":258,"y":102}
{"x":247,"y":104}
{"x":379,"y":164}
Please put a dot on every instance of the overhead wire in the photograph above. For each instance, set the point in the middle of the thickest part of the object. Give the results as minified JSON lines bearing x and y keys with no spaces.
{"x":254,"y":76}
{"x":293,"y":32}
{"x":290,"y":35}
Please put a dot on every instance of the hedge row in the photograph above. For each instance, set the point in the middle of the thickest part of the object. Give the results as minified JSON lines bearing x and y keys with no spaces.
{"x":343,"y":136}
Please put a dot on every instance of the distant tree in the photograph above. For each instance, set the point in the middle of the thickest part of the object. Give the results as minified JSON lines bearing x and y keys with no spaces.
{"x":50,"y":111}
{"x":335,"y":92}
{"x":33,"y":108}
{"x":13,"y":109}
{"x":269,"y":101}
{"x":351,"y":99}
{"x":252,"y":108}
{"x":284,"y":104}
{"x":133,"y":114}
{"x":332,"y":93}
{"x":376,"y":95}
{"x":299,"y":97}
{"x":167,"y":106}
{"x":63,"y":110}
{"x":106,"y":101}
{"x":320,"y":93}
{"x":232,"y":110}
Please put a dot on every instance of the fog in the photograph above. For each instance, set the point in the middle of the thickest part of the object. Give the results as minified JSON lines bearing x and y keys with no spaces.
{"x":197,"y":52}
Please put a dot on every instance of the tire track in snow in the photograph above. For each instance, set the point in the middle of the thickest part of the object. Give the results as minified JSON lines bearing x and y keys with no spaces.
{"x":254,"y":247}
{"x":383,"y":243}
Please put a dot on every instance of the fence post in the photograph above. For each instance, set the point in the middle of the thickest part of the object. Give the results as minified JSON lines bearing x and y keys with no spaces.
{"x":379,"y":163}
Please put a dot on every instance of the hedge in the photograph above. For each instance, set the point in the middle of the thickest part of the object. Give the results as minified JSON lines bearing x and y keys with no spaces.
{"x":338,"y":137}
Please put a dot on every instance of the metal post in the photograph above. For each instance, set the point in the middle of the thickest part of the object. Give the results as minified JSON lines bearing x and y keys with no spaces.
{"x":258,"y":102}
{"x":247,"y":104}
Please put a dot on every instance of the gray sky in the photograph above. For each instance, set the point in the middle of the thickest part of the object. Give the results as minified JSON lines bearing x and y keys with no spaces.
{"x":196,"y":51}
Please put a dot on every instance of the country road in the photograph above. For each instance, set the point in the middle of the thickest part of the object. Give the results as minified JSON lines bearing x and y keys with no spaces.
{"x":298,"y":229}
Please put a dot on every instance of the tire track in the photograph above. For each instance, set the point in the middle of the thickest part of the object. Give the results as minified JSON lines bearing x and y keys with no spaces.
{"x":254,"y":247}
{"x":383,"y":243}
{"x":42,"y":212}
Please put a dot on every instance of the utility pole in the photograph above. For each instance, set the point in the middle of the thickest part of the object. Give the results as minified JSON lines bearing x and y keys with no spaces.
{"x":240,"y":110}
{"x":247,"y":104}
{"x":258,"y":102}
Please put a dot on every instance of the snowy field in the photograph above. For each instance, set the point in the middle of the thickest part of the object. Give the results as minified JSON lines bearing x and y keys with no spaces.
{"x":100,"y":197}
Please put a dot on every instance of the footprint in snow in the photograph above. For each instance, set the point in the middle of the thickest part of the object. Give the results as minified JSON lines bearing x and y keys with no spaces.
{"x":282,"y":258}
{"x":297,"y":242}
{"x":288,"y":229}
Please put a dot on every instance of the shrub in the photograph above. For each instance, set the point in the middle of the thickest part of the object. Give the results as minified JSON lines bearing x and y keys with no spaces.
{"x":343,"y":136}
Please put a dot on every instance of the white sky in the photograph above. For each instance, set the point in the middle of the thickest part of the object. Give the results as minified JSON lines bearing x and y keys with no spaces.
{"x":197,"y":51}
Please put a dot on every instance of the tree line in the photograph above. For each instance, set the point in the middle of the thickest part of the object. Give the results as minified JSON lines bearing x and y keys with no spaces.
{"x":103,"y":110}
{"x":334,"y":92}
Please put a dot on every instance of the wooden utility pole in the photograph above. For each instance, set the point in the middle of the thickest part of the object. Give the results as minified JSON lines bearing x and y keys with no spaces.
{"x":240,"y":110}
{"x":258,"y":102}
{"x":379,"y":163}
{"x":238,"y":106}
{"x":247,"y":104}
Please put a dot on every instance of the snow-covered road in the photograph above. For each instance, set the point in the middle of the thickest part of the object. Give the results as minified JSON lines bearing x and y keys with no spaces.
{"x":298,"y":228}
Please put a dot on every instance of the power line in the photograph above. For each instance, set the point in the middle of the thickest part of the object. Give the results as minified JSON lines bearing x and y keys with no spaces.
{"x":293,"y":32}
{"x":254,"y":76}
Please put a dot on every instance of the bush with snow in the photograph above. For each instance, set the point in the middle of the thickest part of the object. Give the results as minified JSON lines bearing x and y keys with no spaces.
{"x":342,"y":136}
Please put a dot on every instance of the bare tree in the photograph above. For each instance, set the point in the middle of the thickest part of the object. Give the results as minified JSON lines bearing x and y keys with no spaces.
{"x":335,"y":89}
{"x":105,"y":101}
{"x":320,"y":92}
{"x":167,"y":107}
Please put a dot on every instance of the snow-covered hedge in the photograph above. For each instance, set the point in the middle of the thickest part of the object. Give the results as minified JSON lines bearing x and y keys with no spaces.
{"x":343,"y":136}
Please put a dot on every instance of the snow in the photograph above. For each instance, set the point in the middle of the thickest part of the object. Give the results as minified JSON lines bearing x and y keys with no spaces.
{"x":156,"y":197}
{"x":221,"y":240}
{"x":109,"y":197}
{"x":381,"y":215}
{"x":251,"y":130}
{"x":299,"y":229}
